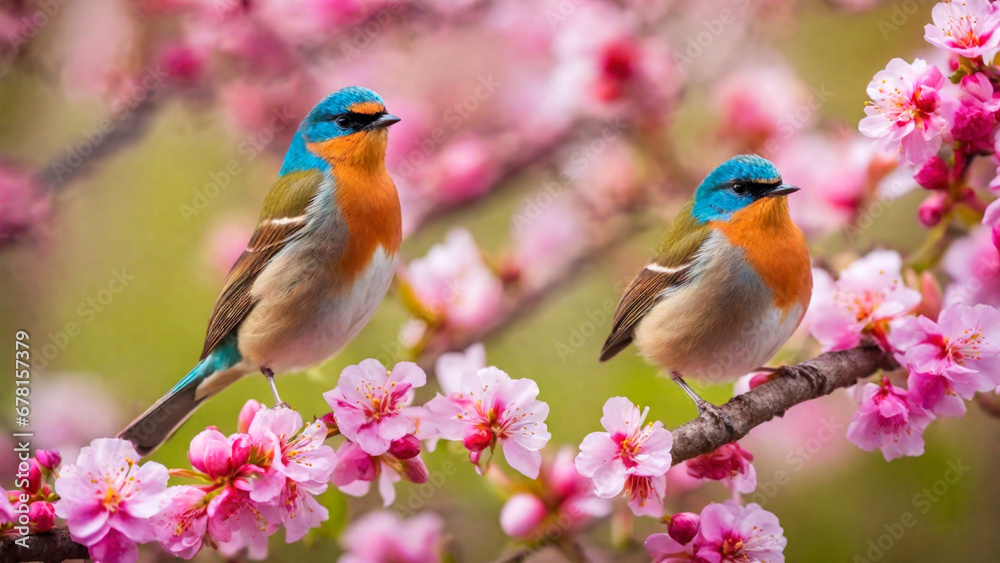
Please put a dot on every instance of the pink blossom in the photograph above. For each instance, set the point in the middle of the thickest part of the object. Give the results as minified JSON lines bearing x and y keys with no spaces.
{"x":628,"y":455}
{"x":491,"y":408}
{"x":971,"y":122}
{"x":950,"y":359}
{"x":94,"y":413}
{"x":727,"y":533}
{"x":933,"y":208}
{"x":834,"y":176}
{"x":934,"y":174}
{"x":247,"y":414}
{"x":183,"y":64}
{"x":181,"y":526}
{"x":888,"y":419}
{"x":908,"y":110}
{"x":368,"y":403}
{"x":754,"y":102}
{"x":521,"y":514}
{"x":965,"y":27}
{"x":454,"y":283}
{"x":683,"y":527}
{"x":645,"y":494}
{"x":24,"y":203}
{"x":465,"y":169}
{"x":107,"y":498}
{"x":728,"y":463}
{"x":548,"y":242}
{"x":300,"y":461}
{"x":451,"y":367}
{"x":973,"y":263}
{"x":381,"y":537}
{"x":869,"y":294}
{"x":356,"y":470}
{"x":49,"y":459}
{"x":7,"y":515}
{"x":41,"y":515}
{"x":562,"y":495}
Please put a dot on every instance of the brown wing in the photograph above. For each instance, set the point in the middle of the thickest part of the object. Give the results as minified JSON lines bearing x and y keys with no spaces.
{"x":282,"y":218}
{"x":639,"y":297}
{"x":670,"y":268}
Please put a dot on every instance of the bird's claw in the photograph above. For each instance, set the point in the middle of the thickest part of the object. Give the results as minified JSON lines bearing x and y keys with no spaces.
{"x":717,"y":413}
{"x":283,"y":405}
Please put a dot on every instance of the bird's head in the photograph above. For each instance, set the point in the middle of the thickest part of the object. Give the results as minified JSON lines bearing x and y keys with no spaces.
{"x":735,"y":184}
{"x":349,"y":125}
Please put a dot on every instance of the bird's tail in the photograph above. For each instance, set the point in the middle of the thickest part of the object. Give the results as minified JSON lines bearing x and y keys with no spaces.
{"x":160,"y":421}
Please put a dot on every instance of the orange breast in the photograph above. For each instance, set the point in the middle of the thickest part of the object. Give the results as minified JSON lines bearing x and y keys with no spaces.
{"x":365,"y":195}
{"x":775,"y":248}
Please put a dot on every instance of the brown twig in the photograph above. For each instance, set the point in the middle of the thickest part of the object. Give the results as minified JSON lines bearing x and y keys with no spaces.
{"x":52,"y":546}
{"x":795,"y":384}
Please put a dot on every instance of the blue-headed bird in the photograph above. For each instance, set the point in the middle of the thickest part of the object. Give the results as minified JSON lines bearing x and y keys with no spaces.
{"x":317,"y":266}
{"x":729,"y":284}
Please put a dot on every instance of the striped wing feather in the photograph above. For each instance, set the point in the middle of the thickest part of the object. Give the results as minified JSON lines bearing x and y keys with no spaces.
{"x":670,"y":268}
{"x":288,"y":199}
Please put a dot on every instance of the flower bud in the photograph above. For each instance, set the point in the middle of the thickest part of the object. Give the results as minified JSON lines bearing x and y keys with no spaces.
{"x":249,"y":410}
{"x":414,"y":470}
{"x":761,"y":378}
{"x":406,"y":447}
{"x":49,"y":459}
{"x":933,"y":175}
{"x":42,"y":516}
{"x":34,"y":477}
{"x":330,"y":421}
{"x":478,"y":440}
{"x":521,"y":514}
{"x":683,"y":527}
{"x":932,"y":209}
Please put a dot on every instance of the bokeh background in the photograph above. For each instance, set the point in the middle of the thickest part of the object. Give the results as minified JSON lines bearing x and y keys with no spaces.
{"x":682,"y":86}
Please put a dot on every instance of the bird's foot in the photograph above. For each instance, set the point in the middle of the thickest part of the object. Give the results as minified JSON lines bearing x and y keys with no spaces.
{"x":717,"y":413}
{"x":283,"y":405}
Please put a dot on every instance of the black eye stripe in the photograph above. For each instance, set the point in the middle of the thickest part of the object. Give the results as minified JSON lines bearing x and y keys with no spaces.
{"x":359,"y":120}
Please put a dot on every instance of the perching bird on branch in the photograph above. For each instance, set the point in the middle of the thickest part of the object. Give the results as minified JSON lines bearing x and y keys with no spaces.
{"x":317,"y":266}
{"x":728,"y":286}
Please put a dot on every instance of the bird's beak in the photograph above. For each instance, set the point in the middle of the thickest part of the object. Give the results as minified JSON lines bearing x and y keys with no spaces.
{"x":783,"y":189}
{"x":383,"y":122}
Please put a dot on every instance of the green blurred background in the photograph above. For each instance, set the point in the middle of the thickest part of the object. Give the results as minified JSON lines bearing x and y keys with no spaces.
{"x":125,"y":217}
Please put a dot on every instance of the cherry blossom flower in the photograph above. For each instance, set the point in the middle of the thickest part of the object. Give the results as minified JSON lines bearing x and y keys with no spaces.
{"x":547,"y":241}
{"x":491,"y":408}
{"x":755,"y":103}
{"x":869,"y":294}
{"x":561,"y":497}
{"x":908,"y":110}
{"x":465,"y":169}
{"x":381,"y":537}
{"x":356,"y":469}
{"x":965,"y":27}
{"x":972,"y":120}
{"x":368,"y":403}
{"x":973,"y":263}
{"x":728,"y":463}
{"x":888,"y":419}
{"x":24,"y":203}
{"x":247,"y":414}
{"x":455,"y":285}
{"x":107,"y":499}
{"x":950,"y":359}
{"x":451,"y":367}
{"x":727,"y":533}
{"x":628,"y":456}
{"x":645,"y":494}
{"x":181,"y":526}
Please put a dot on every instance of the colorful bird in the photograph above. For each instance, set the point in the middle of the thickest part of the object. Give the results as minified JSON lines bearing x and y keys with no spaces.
{"x":317,"y":266}
{"x":728,"y":286}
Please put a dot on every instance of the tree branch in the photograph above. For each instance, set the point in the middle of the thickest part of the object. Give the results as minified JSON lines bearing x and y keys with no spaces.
{"x":793,"y":385}
{"x":48,"y":547}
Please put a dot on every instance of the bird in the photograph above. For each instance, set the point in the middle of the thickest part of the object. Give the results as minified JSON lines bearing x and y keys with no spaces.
{"x":317,"y":266}
{"x":729,"y":284}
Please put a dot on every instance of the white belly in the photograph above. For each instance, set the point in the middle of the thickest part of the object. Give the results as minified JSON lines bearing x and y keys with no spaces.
{"x":313,"y":323}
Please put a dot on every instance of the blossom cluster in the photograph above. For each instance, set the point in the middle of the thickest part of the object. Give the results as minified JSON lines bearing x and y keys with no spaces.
{"x":244,"y":487}
{"x":948,"y":354}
